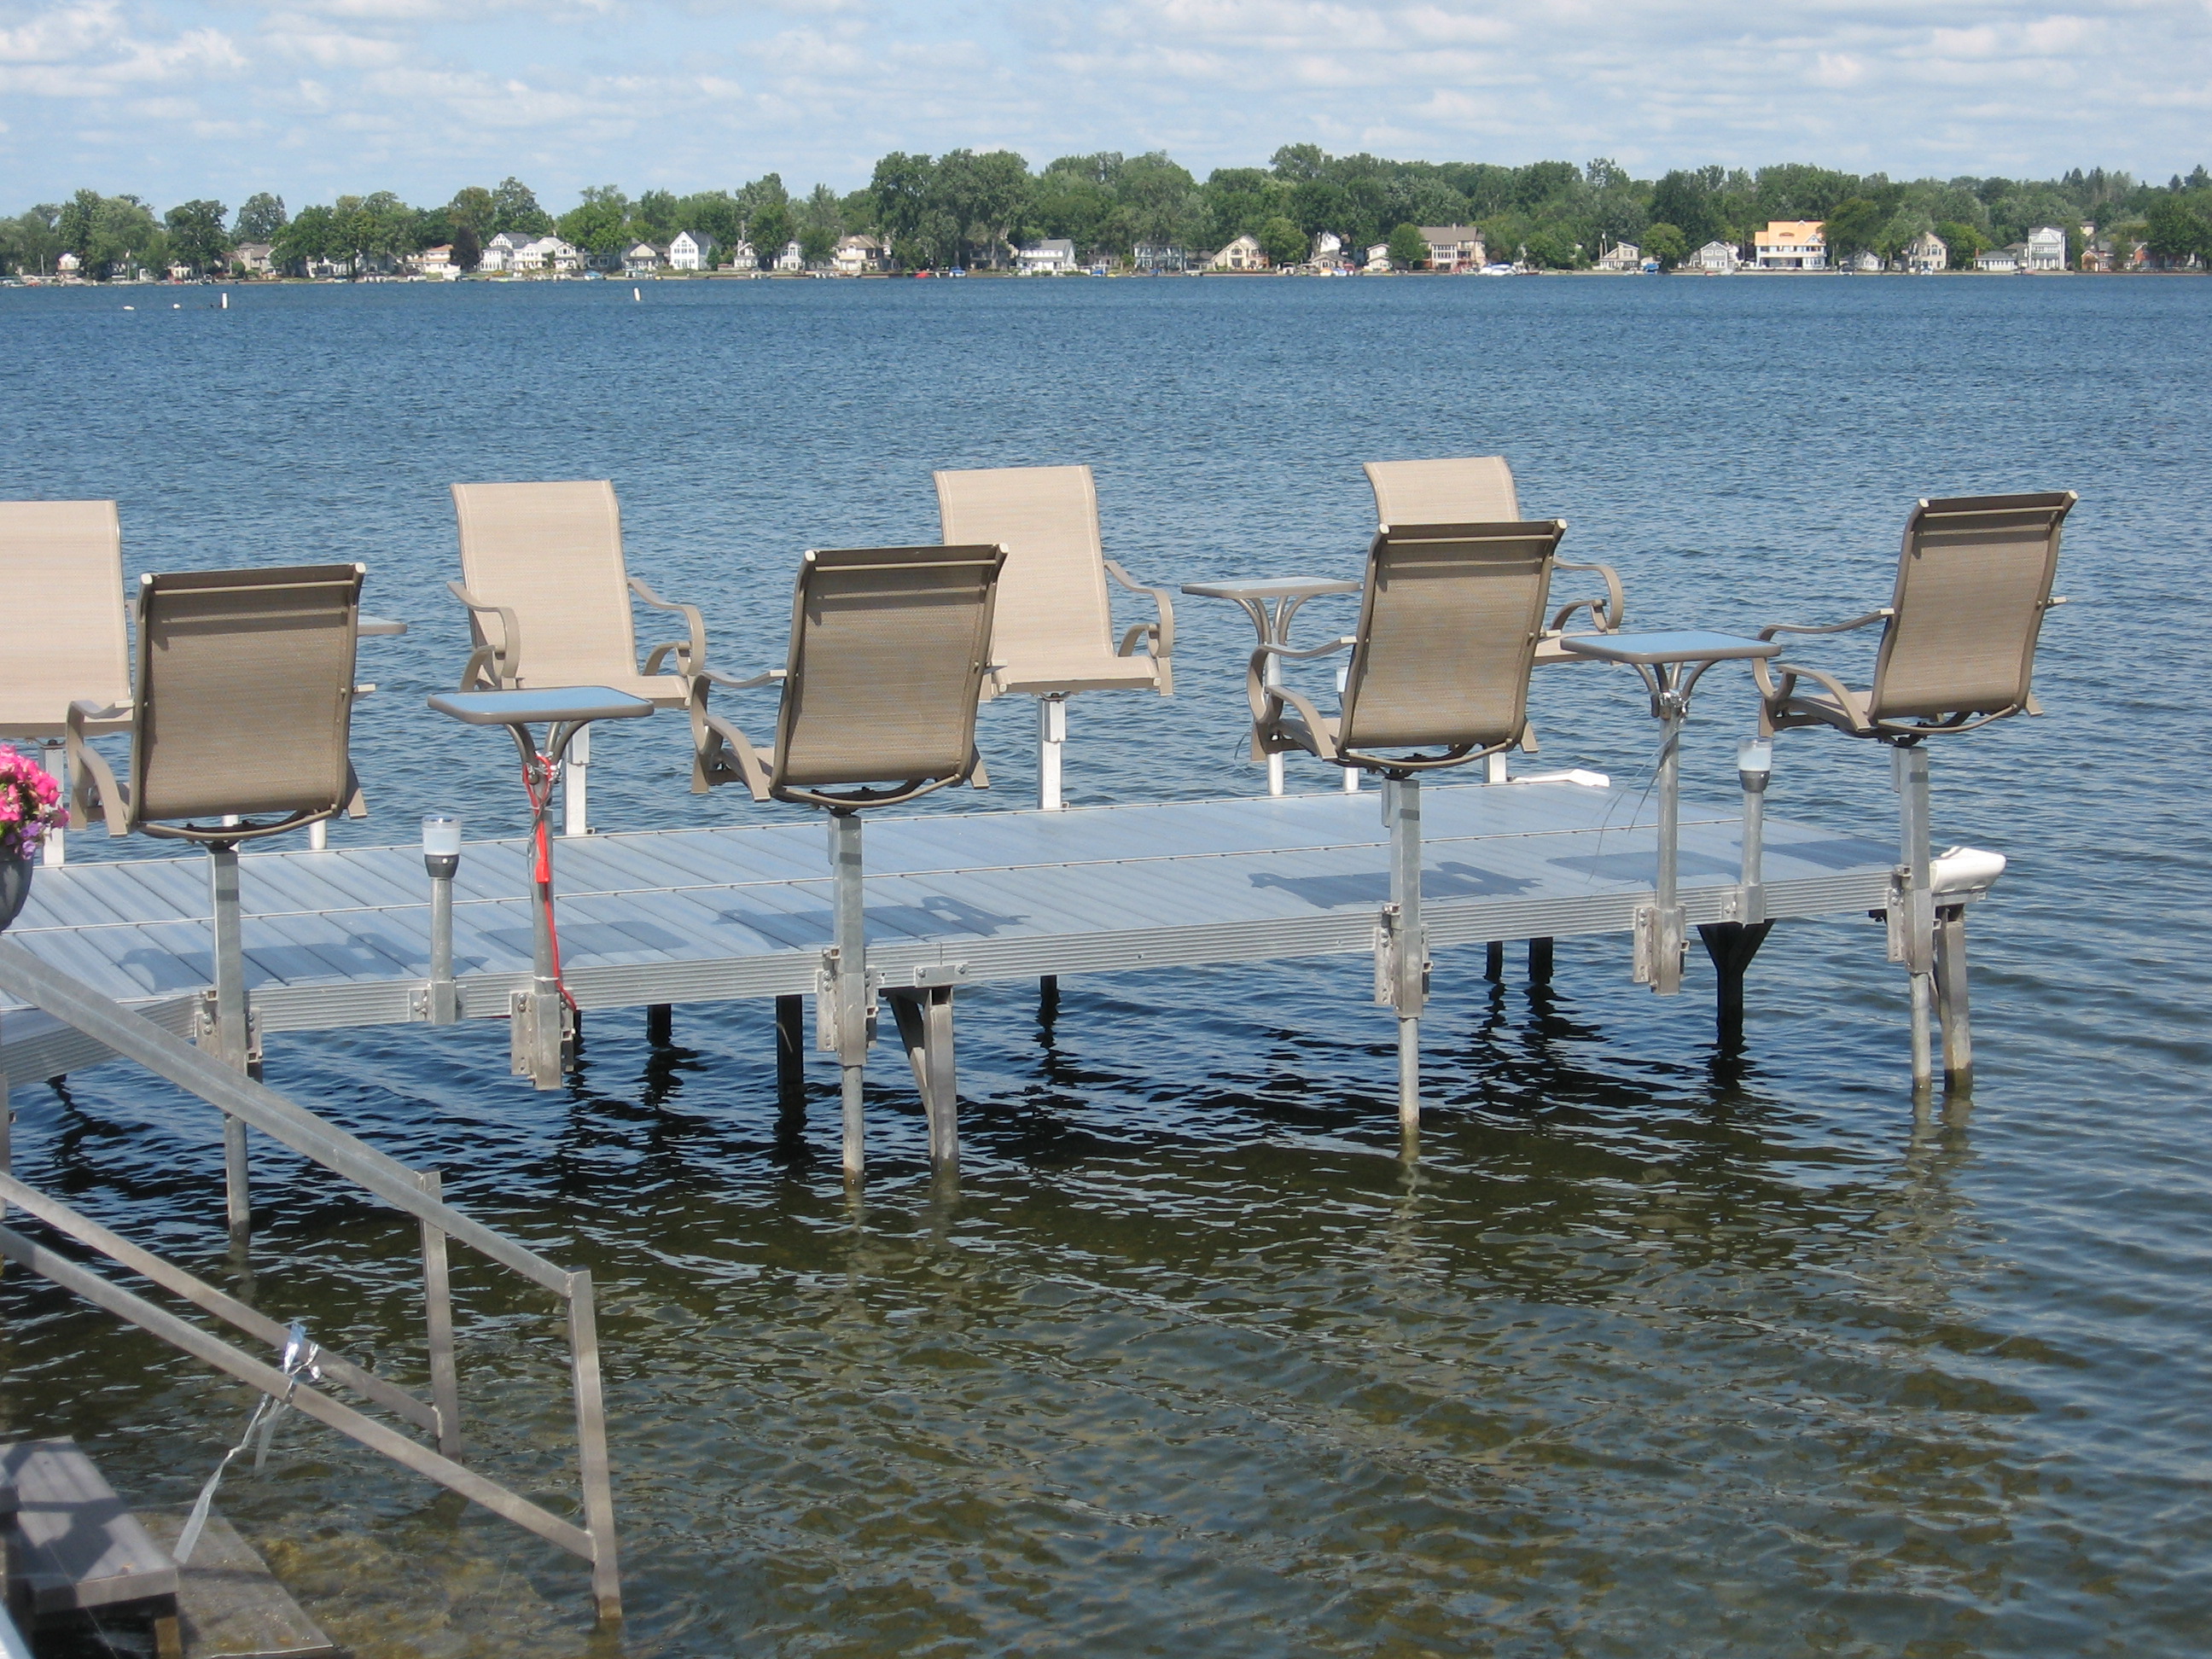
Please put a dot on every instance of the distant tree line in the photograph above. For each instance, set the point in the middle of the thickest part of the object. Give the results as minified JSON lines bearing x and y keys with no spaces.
{"x":969,"y":208}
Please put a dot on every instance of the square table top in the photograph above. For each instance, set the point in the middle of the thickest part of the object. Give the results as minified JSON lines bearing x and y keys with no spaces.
{"x":1681,"y":645}
{"x":558,"y":704}
{"x":1271,"y":588}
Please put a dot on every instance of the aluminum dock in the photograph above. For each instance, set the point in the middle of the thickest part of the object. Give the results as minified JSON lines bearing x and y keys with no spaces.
{"x":341,"y":937}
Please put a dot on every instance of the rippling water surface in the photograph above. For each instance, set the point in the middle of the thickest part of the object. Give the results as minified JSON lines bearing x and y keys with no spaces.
{"x":1654,"y":1350}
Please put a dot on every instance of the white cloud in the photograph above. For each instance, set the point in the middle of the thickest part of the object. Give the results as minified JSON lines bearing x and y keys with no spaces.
{"x":432,"y":94}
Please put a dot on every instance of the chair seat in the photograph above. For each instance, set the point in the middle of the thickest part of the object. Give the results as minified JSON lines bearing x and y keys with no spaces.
{"x":1820,"y":708}
{"x":1058,"y":678}
{"x":1293,"y":729}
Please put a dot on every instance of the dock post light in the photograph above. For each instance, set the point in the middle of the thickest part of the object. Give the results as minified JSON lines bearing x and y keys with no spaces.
{"x":441,"y":857}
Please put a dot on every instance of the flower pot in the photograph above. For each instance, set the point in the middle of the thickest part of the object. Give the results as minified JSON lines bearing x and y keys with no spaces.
{"x":15,"y":888}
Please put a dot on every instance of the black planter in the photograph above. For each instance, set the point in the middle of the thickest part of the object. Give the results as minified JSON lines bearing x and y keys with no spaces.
{"x":15,"y":888}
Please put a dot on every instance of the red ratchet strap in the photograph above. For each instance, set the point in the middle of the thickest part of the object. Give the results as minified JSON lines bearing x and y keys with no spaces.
{"x":538,"y":774}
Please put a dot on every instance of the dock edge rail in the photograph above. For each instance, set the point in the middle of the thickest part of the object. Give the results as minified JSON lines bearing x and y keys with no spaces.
{"x":418,"y":1193}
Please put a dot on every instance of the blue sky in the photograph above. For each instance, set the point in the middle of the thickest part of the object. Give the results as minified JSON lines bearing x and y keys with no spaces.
{"x":176,"y":98}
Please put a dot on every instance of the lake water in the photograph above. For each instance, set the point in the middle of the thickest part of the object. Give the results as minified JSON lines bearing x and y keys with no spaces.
{"x":1653,"y":1351}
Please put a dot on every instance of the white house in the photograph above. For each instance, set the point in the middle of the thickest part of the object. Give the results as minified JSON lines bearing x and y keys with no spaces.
{"x":68,"y":267}
{"x":643,"y":260}
{"x":1244,"y":253}
{"x":1924,"y":255}
{"x":857,"y":255}
{"x":1378,"y":259}
{"x":547,"y":253}
{"x":792,"y":258}
{"x":1621,"y":255}
{"x":437,"y":263}
{"x":2003,"y":261}
{"x":691,"y":250}
{"x":1159,"y":256}
{"x":499,"y":254}
{"x":2046,"y":249}
{"x":1866,"y":262}
{"x":1046,"y":258}
{"x":1451,"y":246}
{"x":1792,"y":245}
{"x":1716,"y":259}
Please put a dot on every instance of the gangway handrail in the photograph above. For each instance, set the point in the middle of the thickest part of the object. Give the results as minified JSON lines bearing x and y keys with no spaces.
{"x":416,"y":1192}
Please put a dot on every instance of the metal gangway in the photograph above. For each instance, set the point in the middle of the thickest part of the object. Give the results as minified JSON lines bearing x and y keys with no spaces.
{"x":418,"y":1193}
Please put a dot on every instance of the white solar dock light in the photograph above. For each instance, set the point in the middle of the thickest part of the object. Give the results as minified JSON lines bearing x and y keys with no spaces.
{"x":441,"y":857}
{"x":1754,"y":769}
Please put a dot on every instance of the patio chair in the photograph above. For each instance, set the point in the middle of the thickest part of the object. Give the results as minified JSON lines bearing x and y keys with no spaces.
{"x":1449,"y":621}
{"x":1478,"y":489}
{"x":239,"y":730}
{"x":64,"y":637}
{"x":1958,"y":651}
{"x":549,"y":600}
{"x":1053,"y":635}
{"x":887,"y":659}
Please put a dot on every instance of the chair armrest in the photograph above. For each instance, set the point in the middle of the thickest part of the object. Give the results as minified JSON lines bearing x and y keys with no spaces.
{"x":1162,"y":632}
{"x":1289,"y":655}
{"x":504,"y":659}
{"x":1609,"y":613}
{"x":89,"y":777}
{"x":764,"y":678}
{"x":689,"y":657}
{"x":1772,"y":629}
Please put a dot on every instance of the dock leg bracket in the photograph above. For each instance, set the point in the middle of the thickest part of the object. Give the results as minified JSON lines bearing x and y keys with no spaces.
{"x":925,"y":1023}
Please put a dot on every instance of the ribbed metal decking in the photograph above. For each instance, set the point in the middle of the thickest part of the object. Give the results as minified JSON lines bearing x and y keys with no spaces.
{"x":341,"y":938}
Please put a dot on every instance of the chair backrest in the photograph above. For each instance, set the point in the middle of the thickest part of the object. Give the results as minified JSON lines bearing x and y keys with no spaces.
{"x":245,"y":691}
{"x":1052,"y":605}
{"x":1972,"y":588}
{"x":888,"y":648}
{"x":63,"y":636}
{"x":1470,"y":489}
{"x":552,"y":553}
{"x":1448,"y":632}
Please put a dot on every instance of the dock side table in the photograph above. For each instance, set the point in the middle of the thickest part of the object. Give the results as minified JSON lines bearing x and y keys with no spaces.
{"x":1671,"y":664}
{"x":1271,"y":602}
{"x":544,"y":1031}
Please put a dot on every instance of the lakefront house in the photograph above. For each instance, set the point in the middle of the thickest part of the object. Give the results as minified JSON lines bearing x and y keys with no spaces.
{"x":691,"y":250}
{"x":1792,"y":245}
{"x":1244,"y":253}
{"x":1049,"y":258}
{"x":1454,"y":246}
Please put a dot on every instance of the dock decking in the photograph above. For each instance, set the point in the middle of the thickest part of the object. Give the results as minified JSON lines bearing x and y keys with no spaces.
{"x":341,"y":938}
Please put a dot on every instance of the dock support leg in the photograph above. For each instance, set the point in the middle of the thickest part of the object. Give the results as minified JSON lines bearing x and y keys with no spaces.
{"x":53,"y":847}
{"x":438,"y":1302}
{"x":542,"y":1035}
{"x":575,"y":785}
{"x":1403,"y":955}
{"x":1660,"y":933}
{"x":1951,"y":998}
{"x":1732,"y":945}
{"x":1918,"y":942}
{"x":1052,"y":741}
{"x":790,"y":1052}
{"x":660,"y":1024}
{"x":1493,"y":961}
{"x":1539,"y":962}
{"x":229,"y":1033}
{"x":925,"y":1023}
{"x":850,"y":985}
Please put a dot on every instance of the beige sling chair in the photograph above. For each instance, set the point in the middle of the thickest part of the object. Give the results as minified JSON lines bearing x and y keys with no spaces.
{"x":549,"y":600}
{"x":1449,"y":620}
{"x":64,"y":637}
{"x":1958,"y":651}
{"x":887,"y":655}
{"x":1053,"y":635}
{"x":239,"y":730}
{"x":1479,"y":490}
